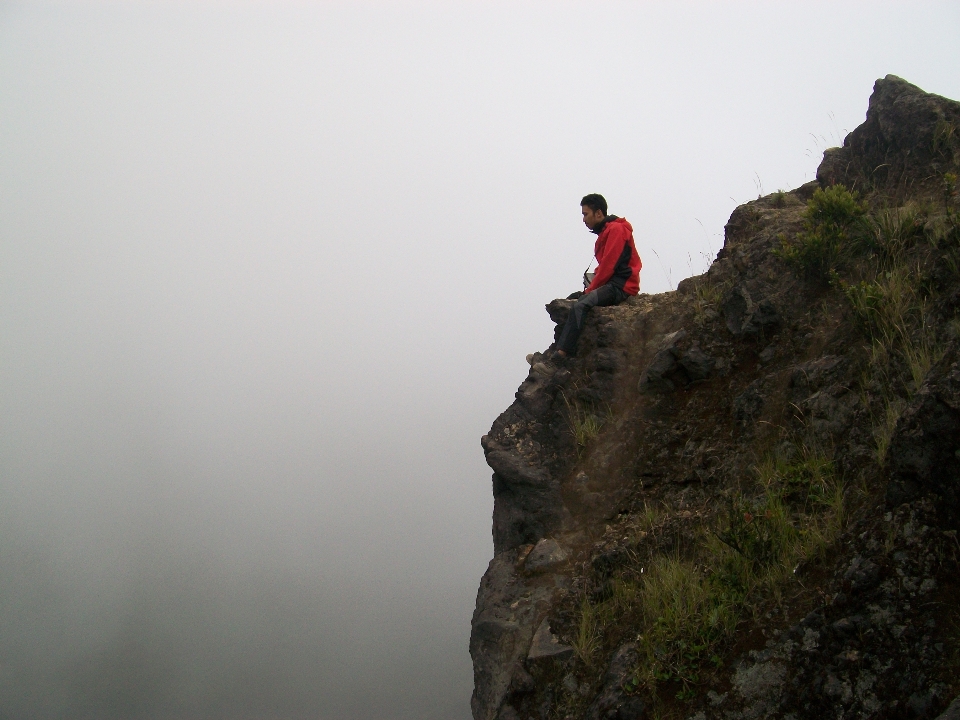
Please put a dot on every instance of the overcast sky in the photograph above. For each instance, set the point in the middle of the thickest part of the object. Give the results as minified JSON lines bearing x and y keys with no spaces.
{"x":269,"y":270}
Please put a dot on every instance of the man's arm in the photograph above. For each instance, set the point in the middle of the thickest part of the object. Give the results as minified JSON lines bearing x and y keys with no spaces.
{"x":617,"y":236}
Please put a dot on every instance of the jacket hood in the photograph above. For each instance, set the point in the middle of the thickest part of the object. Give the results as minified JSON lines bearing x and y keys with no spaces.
{"x":609,"y":219}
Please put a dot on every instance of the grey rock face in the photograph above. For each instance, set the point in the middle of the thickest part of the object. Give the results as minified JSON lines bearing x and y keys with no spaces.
{"x":546,"y":555}
{"x":952,"y":712}
{"x":897,"y":138}
{"x":502,"y":629}
{"x":527,"y":502}
{"x":673,"y":366}
{"x":787,"y":377}
{"x":748,"y":404}
{"x":545,"y":645}
{"x":697,"y":363}
{"x":923,"y":453}
{"x":746,"y":318}
{"x":613,"y":703}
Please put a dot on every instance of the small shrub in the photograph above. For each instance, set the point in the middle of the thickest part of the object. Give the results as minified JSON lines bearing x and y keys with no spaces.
{"x":834,"y":231}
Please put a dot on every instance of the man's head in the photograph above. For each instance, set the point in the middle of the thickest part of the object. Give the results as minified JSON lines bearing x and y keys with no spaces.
{"x":594,"y":210}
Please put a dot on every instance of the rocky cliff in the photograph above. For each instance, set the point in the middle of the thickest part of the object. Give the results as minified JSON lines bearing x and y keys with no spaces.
{"x":741,"y":499}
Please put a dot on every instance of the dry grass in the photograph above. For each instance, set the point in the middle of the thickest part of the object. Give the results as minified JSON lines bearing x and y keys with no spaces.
{"x":707,"y":295}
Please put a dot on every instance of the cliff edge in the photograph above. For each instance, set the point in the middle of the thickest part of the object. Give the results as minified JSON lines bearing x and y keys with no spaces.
{"x":741,"y":499}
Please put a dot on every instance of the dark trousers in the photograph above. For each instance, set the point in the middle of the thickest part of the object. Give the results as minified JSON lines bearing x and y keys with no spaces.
{"x":601,"y":297}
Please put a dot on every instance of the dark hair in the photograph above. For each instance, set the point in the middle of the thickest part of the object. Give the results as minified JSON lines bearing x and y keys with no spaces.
{"x":594,"y":202}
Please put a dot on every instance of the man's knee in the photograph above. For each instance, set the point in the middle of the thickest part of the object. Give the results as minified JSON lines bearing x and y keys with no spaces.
{"x":589,"y":300}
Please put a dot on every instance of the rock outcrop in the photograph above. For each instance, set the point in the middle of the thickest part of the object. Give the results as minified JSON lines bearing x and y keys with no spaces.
{"x":925,"y":448}
{"x":762,"y":435}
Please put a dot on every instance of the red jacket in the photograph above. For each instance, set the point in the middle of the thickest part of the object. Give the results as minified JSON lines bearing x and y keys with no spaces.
{"x":614,"y":259}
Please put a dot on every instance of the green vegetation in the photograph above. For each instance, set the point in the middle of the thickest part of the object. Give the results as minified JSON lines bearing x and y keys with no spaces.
{"x":587,"y":640}
{"x":584,"y":424}
{"x":685,"y":606}
{"x":883,"y":262}
{"x":834,"y":229}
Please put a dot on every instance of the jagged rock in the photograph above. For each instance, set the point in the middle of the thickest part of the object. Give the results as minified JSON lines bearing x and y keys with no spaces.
{"x":829,"y":412}
{"x":744,"y":317}
{"x":660,"y":373}
{"x":502,"y":628}
{"x":898,"y":139}
{"x":546,"y":646}
{"x":920,"y":703}
{"x":613,"y":703}
{"x":546,"y":555}
{"x":815,"y":374}
{"x":697,"y":364}
{"x":558,"y":310}
{"x":534,"y":392}
{"x":522,"y":681}
{"x":862,"y":574}
{"x":607,"y":360}
{"x":767,"y":354}
{"x":527,"y":501}
{"x":952,"y":712}
{"x":924,"y":452}
{"x":759,"y":685}
{"x":748,"y":404}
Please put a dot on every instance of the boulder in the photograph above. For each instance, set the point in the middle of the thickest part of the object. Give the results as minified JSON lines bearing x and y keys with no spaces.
{"x":546,"y":555}
{"x":546,"y":646}
{"x":746,"y":318}
{"x":661,"y":374}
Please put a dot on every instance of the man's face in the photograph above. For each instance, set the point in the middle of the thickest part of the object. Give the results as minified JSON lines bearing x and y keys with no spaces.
{"x":591,"y":218}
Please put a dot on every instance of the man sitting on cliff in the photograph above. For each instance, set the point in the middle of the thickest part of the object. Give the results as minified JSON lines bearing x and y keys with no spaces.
{"x":618,"y":270}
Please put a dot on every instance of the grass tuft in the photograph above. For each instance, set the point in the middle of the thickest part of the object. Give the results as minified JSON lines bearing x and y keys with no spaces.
{"x":586,"y":643}
{"x":707,"y":296}
{"x":584,"y":424}
{"x":883,"y":429}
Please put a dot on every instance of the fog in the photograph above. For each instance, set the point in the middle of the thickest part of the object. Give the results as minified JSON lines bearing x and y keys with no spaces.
{"x":268,"y":271}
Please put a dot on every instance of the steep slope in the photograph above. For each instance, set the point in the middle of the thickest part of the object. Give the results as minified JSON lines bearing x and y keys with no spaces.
{"x":741,"y":499}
